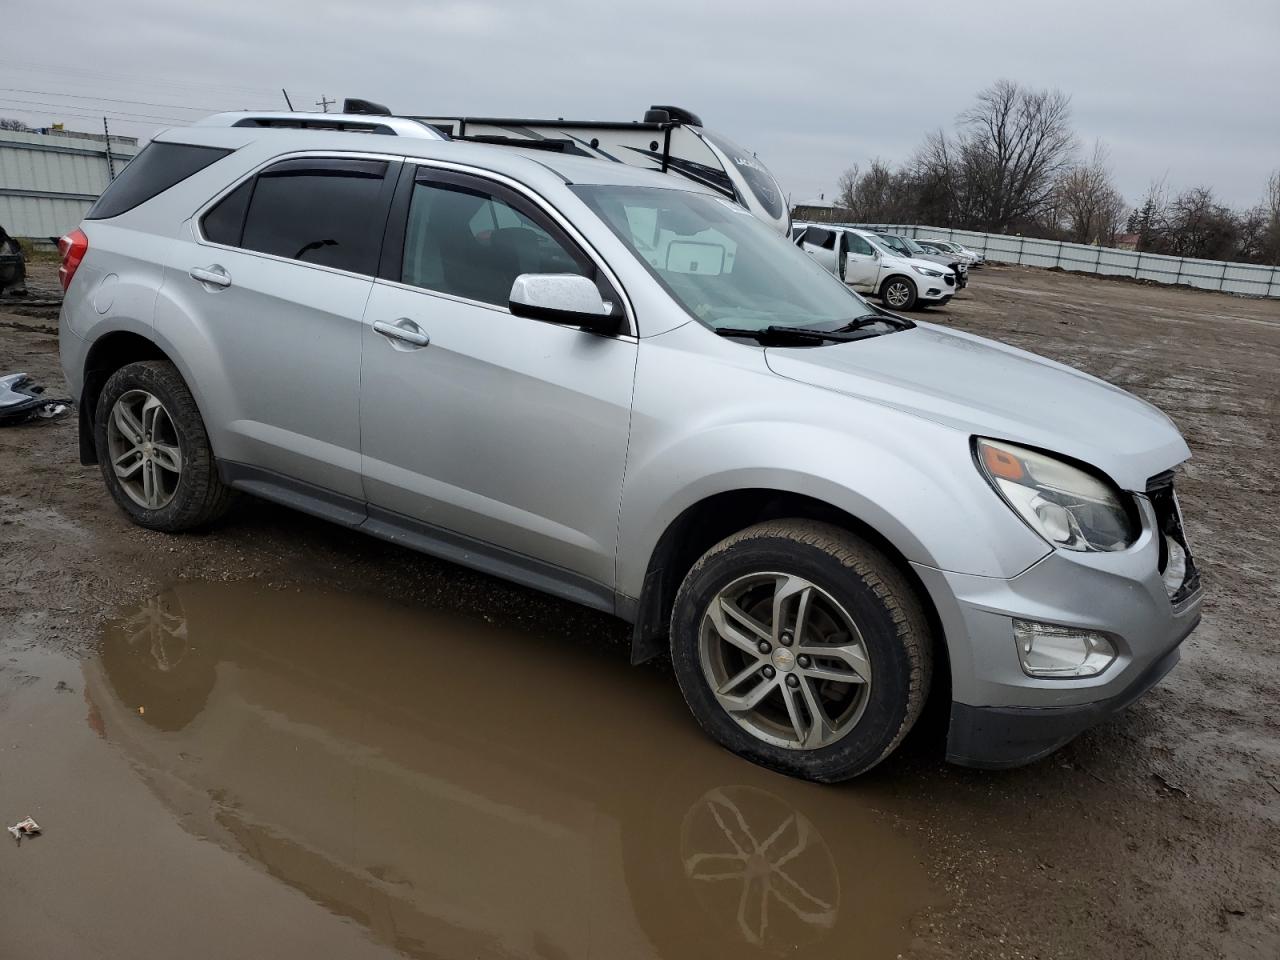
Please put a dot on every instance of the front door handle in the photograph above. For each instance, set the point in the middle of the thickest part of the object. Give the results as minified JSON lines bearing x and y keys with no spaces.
{"x":214,"y":275}
{"x":404,"y":330}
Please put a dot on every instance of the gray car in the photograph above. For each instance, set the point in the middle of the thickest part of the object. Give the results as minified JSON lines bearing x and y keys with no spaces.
{"x":629,"y":392}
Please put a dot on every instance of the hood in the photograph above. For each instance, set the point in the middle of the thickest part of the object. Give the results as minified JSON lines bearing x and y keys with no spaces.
{"x":898,"y":262}
{"x":993,"y":390}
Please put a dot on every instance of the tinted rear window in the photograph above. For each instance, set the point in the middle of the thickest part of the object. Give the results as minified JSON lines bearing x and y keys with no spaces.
{"x":153,"y":171}
{"x":225,"y":222}
{"x":329,"y":212}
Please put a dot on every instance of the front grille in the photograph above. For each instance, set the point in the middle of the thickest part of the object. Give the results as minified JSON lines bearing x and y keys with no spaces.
{"x":1169,"y":522}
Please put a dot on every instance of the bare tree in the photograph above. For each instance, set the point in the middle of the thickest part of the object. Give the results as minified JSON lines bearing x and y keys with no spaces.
{"x":1150,"y":219}
{"x":1087,"y":202}
{"x":845,"y":187}
{"x":8,"y":123}
{"x":999,"y":170}
{"x":881,"y":195}
{"x":1269,"y":247}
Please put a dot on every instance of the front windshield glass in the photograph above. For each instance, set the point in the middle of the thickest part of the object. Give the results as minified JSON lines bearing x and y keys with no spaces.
{"x":912,"y":245}
{"x":883,"y":246}
{"x":722,"y":264}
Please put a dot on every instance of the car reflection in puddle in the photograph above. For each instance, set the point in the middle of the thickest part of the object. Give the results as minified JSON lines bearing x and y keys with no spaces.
{"x":467,"y":791}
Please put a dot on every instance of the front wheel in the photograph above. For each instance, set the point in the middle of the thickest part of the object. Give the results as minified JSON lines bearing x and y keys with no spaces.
{"x":801,"y":648}
{"x":898,"y":293}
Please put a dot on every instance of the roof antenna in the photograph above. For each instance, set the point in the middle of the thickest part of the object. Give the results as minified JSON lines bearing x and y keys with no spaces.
{"x":286,"y":99}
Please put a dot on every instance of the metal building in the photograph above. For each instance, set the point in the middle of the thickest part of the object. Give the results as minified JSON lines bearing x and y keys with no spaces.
{"x":49,"y":179}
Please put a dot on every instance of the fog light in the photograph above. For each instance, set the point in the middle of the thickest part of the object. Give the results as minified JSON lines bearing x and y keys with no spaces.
{"x":1175,"y":571}
{"x":1048,"y":650}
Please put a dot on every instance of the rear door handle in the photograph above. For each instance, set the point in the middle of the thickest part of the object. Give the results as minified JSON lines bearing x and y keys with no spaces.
{"x":214,"y":275}
{"x":404,"y":330}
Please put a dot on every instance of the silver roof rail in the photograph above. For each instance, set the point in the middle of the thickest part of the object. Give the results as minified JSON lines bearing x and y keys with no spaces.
{"x":344,"y":122}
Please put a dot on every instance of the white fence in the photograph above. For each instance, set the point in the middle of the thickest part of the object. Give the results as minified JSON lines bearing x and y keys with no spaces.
{"x":1249,"y":279}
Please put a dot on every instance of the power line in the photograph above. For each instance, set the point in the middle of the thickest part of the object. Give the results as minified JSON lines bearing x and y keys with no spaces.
{"x":129,"y":78}
{"x":81,"y":96}
{"x":36,"y":112}
{"x":117,"y":114}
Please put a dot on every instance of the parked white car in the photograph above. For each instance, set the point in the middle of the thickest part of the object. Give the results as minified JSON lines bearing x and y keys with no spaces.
{"x":974,"y":258}
{"x":907,"y":247}
{"x":866,"y":263}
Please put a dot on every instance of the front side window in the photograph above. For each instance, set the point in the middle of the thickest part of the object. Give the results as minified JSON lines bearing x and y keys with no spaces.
{"x":470,"y":242}
{"x":326,"y":211}
{"x":858,"y":245}
{"x":720,"y":263}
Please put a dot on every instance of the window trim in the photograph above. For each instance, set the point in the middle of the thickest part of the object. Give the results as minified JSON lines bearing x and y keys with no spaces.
{"x":395,"y":167}
{"x":397,"y":221}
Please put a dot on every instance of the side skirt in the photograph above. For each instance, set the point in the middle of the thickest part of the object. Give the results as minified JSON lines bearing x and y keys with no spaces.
{"x":425,"y":538}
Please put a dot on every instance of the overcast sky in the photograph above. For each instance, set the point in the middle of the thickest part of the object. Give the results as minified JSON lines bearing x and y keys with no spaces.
{"x":1186,"y":89}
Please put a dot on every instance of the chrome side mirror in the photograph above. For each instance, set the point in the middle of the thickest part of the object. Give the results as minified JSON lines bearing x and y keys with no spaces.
{"x":563,"y":298}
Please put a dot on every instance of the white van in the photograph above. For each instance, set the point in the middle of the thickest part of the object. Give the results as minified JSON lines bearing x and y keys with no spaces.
{"x":866,"y":263}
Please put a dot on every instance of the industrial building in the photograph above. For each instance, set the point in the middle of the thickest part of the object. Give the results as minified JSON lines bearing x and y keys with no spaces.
{"x":49,"y":178}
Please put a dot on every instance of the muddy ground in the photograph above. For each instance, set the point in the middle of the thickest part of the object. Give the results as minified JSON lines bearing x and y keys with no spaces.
{"x":280,"y":738}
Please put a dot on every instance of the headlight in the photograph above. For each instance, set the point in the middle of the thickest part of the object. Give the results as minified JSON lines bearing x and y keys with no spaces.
{"x":1067,"y":506}
{"x":924,"y":272}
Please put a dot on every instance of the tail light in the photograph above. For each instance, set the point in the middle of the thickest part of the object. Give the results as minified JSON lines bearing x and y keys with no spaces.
{"x":72,"y":249}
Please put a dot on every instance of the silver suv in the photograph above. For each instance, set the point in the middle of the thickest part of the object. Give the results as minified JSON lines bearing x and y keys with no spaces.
{"x":629,"y":392}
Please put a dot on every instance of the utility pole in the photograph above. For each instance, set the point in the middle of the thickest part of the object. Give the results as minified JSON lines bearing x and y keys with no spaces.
{"x":323,"y":103}
{"x":111,"y":164}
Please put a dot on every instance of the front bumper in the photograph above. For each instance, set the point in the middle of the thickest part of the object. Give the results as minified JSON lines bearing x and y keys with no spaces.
{"x":934,"y":290}
{"x":1002,"y":717}
{"x":995,"y":738}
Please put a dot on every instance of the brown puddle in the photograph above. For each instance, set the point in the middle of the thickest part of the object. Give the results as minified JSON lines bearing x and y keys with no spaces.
{"x":463,"y":791}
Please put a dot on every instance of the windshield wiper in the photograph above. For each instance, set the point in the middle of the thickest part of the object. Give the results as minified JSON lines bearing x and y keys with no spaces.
{"x":781,"y":336}
{"x":880,"y":316}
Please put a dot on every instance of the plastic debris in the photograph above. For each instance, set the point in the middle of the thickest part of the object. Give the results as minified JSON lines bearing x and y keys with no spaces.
{"x":24,"y":828}
{"x":22,"y":399}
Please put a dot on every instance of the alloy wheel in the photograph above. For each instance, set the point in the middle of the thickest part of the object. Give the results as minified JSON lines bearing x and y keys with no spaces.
{"x":897,"y":294}
{"x":785,"y":660}
{"x":146,"y":455}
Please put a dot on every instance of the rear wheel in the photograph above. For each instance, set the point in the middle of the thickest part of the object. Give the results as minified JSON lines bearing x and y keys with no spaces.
{"x":154,"y":451}
{"x":802,"y":648}
{"x":898,"y":293}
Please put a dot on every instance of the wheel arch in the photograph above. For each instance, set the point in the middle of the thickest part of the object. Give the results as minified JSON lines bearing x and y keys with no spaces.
{"x":895,"y":276}
{"x":708,"y":521}
{"x":109,"y":353}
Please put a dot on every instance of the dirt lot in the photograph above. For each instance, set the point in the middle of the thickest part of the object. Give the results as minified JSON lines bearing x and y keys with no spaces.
{"x":242,"y":743}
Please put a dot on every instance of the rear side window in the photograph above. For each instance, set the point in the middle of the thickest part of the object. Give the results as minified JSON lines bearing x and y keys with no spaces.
{"x":153,"y":171}
{"x":329,"y":212}
{"x":818,"y":237}
{"x":225,"y":223}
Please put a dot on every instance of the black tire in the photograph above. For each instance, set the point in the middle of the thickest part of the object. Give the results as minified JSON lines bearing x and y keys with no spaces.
{"x":899,"y":280}
{"x":887,"y":612}
{"x":200,"y":497}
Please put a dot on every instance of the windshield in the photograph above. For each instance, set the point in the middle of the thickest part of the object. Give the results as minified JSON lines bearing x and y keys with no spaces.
{"x":723,"y":265}
{"x":885,"y":248}
{"x":911,"y":245}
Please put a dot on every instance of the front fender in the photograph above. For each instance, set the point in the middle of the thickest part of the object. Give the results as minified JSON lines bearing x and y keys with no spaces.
{"x":911,"y":480}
